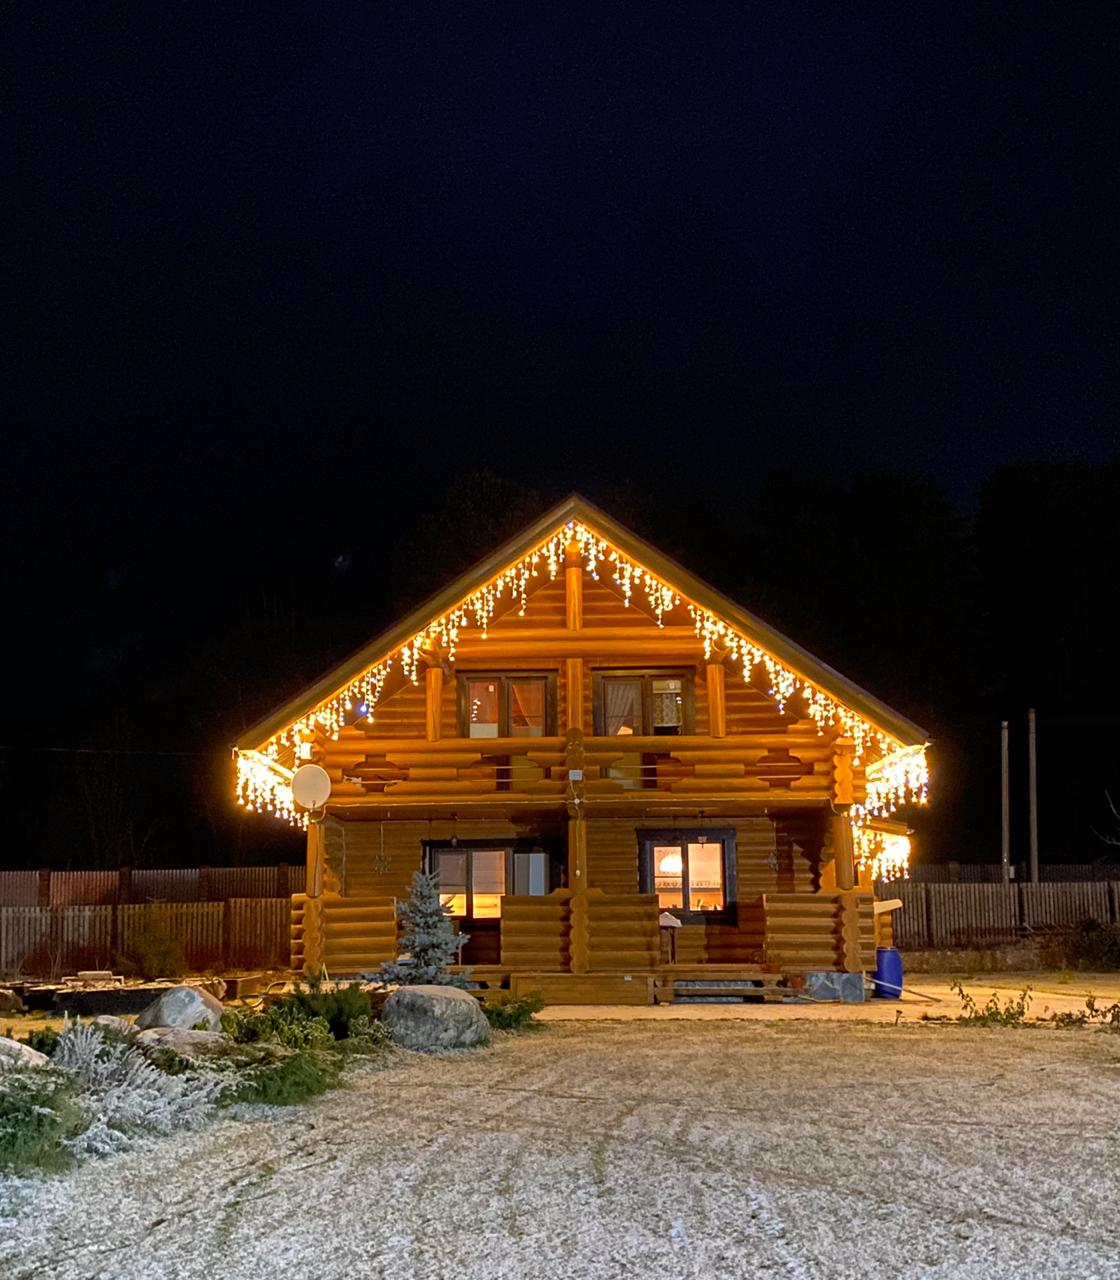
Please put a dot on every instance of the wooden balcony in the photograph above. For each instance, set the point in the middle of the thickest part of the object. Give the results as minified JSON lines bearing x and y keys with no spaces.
{"x":361,"y":766}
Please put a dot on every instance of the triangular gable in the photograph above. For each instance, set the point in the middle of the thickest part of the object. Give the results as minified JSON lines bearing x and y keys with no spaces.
{"x":606,"y":548}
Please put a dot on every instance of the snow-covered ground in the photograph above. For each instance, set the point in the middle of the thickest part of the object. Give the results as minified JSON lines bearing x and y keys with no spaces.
{"x":649,"y":1149}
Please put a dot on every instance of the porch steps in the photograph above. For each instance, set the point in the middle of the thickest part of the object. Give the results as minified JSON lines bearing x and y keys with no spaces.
{"x":718,"y":984}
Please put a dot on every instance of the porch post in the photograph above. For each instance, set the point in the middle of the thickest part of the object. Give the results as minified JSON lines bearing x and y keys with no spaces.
{"x":843,"y":847}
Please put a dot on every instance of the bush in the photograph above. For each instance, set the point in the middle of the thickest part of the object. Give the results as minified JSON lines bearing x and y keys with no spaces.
{"x":280,"y":1023}
{"x":42,"y":1039}
{"x":993,"y":1014}
{"x":155,"y":952}
{"x":127,"y":1093}
{"x":514,"y":1013}
{"x":303,"y":1076}
{"x":367,"y":1036}
{"x":1092,"y":945}
{"x":339,"y":1007}
{"x":40,"y":1115}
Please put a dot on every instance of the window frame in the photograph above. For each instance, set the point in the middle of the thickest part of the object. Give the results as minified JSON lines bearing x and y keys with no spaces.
{"x":502,"y":679}
{"x":647,"y":675}
{"x":554,"y":865}
{"x":682,"y":837}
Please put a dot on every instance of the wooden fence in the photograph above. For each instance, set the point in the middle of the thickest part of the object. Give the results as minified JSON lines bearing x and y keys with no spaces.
{"x":240,"y":933}
{"x":111,"y":888}
{"x":988,"y":915}
{"x":992,"y":872}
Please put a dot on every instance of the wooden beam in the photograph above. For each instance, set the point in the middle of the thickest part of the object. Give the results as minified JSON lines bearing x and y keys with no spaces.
{"x":574,"y":693}
{"x":717,"y":699}
{"x":843,"y":847}
{"x":316,"y":858}
{"x":433,"y":698}
{"x":573,"y":596}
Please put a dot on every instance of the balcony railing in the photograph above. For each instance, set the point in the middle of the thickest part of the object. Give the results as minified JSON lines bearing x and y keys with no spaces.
{"x":363,"y":766}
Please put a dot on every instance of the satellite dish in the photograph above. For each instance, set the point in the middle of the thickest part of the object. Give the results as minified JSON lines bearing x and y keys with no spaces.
{"x":311,"y":786}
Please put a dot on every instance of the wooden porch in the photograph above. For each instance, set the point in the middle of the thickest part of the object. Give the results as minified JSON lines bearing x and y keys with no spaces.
{"x":587,"y":946}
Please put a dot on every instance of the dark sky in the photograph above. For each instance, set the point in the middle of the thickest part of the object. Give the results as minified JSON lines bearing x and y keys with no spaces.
{"x":877,"y":235}
{"x":275,"y":275}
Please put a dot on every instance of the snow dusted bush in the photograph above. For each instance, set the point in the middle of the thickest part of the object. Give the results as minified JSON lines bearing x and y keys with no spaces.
{"x":126,"y":1095}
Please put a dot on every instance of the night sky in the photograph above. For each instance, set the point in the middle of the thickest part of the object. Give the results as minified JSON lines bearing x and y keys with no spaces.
{"x":304,"y":307}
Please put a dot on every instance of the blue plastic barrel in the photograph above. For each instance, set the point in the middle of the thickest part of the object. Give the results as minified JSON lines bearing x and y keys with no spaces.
{"x":888,"y":973}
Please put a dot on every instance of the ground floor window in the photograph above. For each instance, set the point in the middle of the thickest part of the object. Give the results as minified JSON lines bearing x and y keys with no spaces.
{"x":691,"y":871}
{"x":474,"y":878}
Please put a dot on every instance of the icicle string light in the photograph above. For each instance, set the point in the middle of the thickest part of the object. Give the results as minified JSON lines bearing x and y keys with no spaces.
{"x":901,"y":777}
{"x":886,"y":854}
{"x":260,"y":787}
{"x":264,"y":786}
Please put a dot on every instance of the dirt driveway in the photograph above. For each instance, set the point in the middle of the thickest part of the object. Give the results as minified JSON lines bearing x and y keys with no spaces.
{"x":641,"y":1149}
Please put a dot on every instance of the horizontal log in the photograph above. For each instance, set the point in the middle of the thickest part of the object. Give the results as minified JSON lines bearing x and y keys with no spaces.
{"x":543,"y":636}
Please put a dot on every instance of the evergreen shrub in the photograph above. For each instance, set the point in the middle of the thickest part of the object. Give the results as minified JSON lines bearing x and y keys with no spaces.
{"x":514,"y":1013}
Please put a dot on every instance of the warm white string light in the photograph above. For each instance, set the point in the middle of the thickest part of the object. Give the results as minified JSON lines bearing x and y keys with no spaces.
{"x":886,"y":854}
{"x":900,"y":775}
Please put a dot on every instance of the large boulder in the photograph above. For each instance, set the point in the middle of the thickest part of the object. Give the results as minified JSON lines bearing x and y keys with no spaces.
{"x":435,"y":1018}
{"x":14,"y":1055}
{"x":184,"y":1007}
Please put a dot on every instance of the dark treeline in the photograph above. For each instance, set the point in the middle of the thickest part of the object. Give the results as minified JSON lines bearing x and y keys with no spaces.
{"x":143,"y":649}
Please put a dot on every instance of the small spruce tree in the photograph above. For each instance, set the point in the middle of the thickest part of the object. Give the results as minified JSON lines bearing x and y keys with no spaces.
{"x":428,"y":942}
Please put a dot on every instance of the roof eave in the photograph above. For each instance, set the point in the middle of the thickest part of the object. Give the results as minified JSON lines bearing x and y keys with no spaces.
{"x":576,"y":507}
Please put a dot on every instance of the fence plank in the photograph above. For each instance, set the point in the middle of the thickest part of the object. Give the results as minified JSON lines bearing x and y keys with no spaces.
{"x":972,"y":914}
{"x":25,"y":941}
{"x":83,"y":888}
{"x":84,"y":937}
{"x":1063,"y":904}
{"x":19,"y":888}
{"x":198,"y":925}
{"x":258,"y":933}
{"x":165,"y":885}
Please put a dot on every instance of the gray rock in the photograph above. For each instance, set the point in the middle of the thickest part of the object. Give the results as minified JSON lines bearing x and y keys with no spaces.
{"x":13,"y":1055}
{"x":10,"y":1002}
{"x":182,"y":1007}
{"x":435,"y":1018}
{"x":189,"y":1044}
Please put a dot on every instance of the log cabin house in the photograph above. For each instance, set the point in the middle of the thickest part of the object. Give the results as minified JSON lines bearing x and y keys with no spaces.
{"x":630,"y":787}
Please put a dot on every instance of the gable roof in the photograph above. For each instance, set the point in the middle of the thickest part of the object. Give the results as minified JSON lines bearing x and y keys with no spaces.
{"x":718,"y":619}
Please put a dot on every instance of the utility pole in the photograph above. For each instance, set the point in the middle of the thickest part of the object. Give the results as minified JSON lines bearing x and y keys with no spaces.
{"x":1005,"y":806}
{"x":1032,"y":767}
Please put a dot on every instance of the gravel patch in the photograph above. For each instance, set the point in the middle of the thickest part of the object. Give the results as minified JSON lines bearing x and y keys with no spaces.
{"x":638,"y":1149}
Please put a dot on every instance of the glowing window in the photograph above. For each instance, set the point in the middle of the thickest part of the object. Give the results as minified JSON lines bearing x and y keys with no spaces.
{"x":692,"y":872}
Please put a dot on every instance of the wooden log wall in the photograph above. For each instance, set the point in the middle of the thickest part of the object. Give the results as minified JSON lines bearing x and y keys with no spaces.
{"x":781,"y":854}
{"x":823,"y":931}
{"x":536,"y":932}
{"x":622,"y":931}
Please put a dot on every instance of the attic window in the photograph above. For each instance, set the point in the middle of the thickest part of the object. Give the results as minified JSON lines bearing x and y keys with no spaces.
{"x":506,"y":706}
{"x":642,"y":703}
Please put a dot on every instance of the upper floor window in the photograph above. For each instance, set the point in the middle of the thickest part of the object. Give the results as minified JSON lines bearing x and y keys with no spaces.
{"x":506,"y":705}
{"x":642,"y":703}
